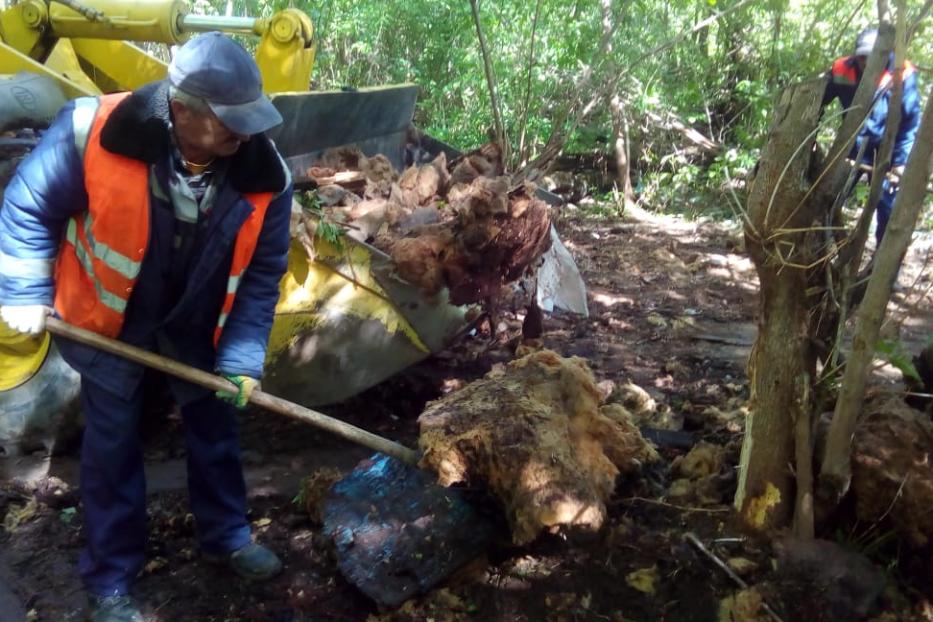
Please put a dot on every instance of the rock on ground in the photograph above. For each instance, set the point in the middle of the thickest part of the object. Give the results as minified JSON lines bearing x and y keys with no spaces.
{"x":535,"y":435}
{"x":820,"y":581}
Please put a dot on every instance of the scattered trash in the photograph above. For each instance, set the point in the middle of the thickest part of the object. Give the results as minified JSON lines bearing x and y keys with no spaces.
{"x":644,"y":580}
{"x":16,"y":515}
{"x":67,"y":515}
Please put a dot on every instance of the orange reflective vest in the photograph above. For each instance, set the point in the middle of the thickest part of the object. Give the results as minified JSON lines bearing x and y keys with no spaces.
{"x":844,"y":73}
{"x":103,"y":248}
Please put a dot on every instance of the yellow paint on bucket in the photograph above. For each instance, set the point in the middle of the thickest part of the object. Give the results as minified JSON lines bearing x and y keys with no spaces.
{"x":337,"y":283}
{"x":21,"y":356}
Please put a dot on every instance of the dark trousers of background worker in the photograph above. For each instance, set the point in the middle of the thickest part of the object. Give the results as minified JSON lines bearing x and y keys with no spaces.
{"x":113,"y":485}
{"x":885,"y":206}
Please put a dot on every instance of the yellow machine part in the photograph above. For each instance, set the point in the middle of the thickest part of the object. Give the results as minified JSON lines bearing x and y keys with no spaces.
{"x":21,"y":356}
{"x":88,"y":53}
{"x":285,"y":54}
{"x":118,"y":65}
{"x":133,"y":20}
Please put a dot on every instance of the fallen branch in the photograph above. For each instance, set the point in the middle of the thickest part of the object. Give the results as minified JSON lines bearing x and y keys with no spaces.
{"x":674,"y":124}
{"x":683,"y":508}
{"x":692,"y":539}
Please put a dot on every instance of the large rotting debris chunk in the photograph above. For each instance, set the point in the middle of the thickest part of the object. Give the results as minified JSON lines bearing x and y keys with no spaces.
{"x":483,"y":162}
{"x":533,"y":433}
{"x":459,"y":225}
{"x":891,"y":475}
{"x":423,"y":183}
{"x":420,"y":259}
{"x":497,"y":237}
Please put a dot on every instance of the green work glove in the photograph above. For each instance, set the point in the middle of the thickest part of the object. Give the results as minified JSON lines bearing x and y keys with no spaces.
{"x":245,"y":385}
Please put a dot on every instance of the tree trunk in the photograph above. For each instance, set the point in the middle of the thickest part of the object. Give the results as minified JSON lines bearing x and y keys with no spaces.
{"x":782,"y":361}
{"x":835,"y":475}
{"x":623,"y":165}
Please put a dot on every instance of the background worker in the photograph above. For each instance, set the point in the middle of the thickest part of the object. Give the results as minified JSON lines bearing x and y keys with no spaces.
{"x":844,"y":78}
{"x":159,"y":217}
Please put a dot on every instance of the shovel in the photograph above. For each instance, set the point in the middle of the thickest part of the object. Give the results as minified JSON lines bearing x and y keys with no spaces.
{"x":396,"y":532}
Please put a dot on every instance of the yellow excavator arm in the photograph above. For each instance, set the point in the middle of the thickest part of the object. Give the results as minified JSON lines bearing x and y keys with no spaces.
{"x":83,"y":45}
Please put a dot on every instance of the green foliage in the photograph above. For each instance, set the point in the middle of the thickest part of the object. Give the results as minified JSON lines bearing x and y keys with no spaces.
{"x":301,"y":497}
{"x":720,"y":80}
{"x":326,"y":229}
{"x":895,"y":354}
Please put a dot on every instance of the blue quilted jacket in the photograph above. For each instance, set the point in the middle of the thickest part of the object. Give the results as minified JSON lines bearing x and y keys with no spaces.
{"x":48,"y":188}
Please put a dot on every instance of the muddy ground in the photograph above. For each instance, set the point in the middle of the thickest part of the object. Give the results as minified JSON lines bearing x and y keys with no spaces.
{"x":672,"y":310}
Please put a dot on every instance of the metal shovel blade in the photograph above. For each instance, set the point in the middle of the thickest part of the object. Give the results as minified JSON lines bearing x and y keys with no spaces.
{"x":397,"y":533}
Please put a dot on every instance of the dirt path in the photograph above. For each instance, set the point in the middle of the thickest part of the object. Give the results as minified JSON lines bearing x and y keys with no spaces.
{"x":672,"y":310}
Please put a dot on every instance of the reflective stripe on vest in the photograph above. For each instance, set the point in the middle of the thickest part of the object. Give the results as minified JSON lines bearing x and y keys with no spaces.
{"x":85,"y":258}
{"x":102,"y":253}
{"x":243,"y":253}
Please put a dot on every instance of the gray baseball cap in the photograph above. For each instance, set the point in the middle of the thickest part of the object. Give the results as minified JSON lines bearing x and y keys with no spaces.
{"x":214,"y":67}
{"x":866,"y":41}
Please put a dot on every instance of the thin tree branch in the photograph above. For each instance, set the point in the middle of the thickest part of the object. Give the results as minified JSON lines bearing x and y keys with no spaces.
{"x":845,"y":26}
{"x":525,"y":105}
{"x":501,"y":137}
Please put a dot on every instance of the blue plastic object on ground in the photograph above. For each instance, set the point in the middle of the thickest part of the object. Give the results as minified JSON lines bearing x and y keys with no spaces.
{"x":399,"y":534}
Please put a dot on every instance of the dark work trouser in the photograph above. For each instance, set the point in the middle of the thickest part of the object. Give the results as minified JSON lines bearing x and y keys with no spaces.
{"x":885,"y":206}
{"x":113,"y":485}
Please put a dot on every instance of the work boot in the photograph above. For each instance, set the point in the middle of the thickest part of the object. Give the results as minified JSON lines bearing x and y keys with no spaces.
{"x":253,"y":562}
{"x":113,"y":609}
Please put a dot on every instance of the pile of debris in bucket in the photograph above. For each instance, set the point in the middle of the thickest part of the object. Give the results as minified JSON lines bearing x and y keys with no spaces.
{"x":459,"y":225}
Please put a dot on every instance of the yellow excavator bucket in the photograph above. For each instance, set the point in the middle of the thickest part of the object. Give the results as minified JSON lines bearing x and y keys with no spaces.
{"x":21,"y":356}
{"x":344,"y":323}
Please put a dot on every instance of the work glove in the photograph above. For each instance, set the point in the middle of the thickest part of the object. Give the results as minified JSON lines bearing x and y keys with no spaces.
{"x":245,"y":386}
{"x":895,"y":174}
{"x":29,"y":319}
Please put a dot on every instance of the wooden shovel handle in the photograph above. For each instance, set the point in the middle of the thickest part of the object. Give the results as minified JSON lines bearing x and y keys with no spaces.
{"x":217,"y":383}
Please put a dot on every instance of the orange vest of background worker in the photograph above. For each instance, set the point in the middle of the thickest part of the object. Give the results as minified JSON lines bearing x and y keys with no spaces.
{"x":843,"y":80}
